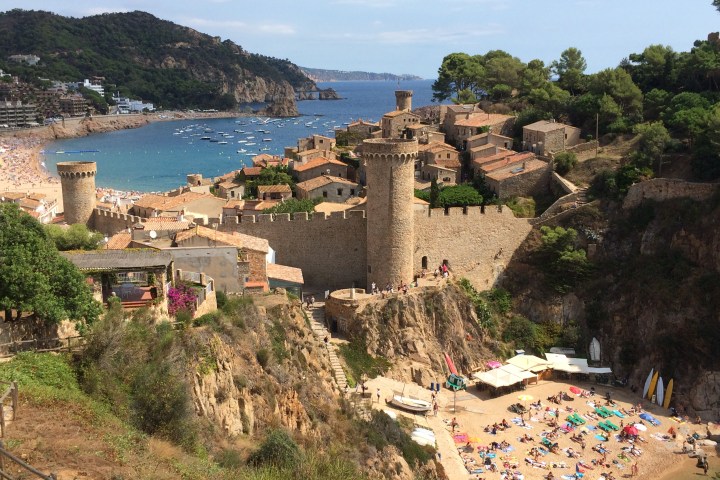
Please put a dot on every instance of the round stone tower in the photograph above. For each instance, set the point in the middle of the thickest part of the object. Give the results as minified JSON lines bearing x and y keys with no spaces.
{"x":77,"y":180}
{"x":403,"y":100}
{"x":389,"y":167}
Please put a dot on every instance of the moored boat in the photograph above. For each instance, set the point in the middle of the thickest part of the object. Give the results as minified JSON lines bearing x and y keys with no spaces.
{"x":411,"y":404}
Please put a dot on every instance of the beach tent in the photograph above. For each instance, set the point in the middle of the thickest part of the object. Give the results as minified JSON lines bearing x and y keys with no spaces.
{"x":573,"y":365}
{"x":530,"y":362}
{"x":519,"y":372}
{"x":498,"y":377}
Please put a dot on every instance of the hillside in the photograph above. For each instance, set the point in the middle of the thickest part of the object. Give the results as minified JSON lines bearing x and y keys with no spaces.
{"x":168,"y":64}
{"x":322,"y":75}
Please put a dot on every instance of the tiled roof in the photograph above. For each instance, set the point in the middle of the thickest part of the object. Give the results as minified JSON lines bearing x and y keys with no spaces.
{"x":515,"y":169}
{"x":29,"y":203}
{"x":285,"y":273}
{"x":310,"y":151}
{"x":464,"y":108}
{"x":317,"y":162}
{"x":10,"y":196}
{"x":239,"y":240}
{"x":508,"y":160}
{"x":165,"y":224}
{"x":251,"y":171}
{"x":259,"y":205}
{"x":363,"y":123}
{"x":227,"y":176}
{"x":450,"y":163}
{"x":161,"y":202}
{"x":545,"y":126}
{"x":501,"y":153}
{"x":235,"y":203}
{"x":100,"y":260}
{"x":440,"y":147}
{"x":284,"y":188}
{"x":119,"y":241}
{"x":482,"y":120}
{"x":397,"y":113}
{"x":322,"y":181}
{"x":229,"y":185}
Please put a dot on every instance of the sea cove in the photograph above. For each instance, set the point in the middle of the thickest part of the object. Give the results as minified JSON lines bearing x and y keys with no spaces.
{"x":158,"y":156}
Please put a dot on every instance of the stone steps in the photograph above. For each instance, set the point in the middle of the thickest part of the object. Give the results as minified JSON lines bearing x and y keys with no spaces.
{"x":319,"y":328}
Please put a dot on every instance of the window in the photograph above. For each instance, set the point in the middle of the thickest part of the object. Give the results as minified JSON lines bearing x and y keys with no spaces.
{"x":340,"y":191}
{"x":324,"y":194}
{"x":424,"y":263}
{"x":352,"y":192}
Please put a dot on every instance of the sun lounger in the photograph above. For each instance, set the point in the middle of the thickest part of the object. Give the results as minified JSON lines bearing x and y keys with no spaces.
{"x":601,"y":413}
{"x":571,"y":419}
{"x":612,"y":425}
{"x":578,"y":419}
{"x":603,"y":427}
{"x":618,"y":413}
{"x":606,"y":411}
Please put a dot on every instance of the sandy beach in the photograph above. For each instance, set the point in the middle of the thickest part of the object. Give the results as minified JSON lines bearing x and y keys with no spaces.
{"x":656,"y":454}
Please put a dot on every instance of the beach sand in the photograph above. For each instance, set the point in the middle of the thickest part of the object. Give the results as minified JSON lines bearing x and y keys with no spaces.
{"x":474,"y":410}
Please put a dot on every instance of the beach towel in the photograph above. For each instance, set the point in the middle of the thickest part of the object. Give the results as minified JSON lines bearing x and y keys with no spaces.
{"x":601,"y":438}
{"x":543,"y":451}
{"x":461,"y":438}
{"x":591,"y":427}
{"x":508,"y":449}
{"x":476,"y":470}
{"x":617,"y":413}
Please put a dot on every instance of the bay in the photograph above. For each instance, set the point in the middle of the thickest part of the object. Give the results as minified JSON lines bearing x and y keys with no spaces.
{"x":158,"y":157}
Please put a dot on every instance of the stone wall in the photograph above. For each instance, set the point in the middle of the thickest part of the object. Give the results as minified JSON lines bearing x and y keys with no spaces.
{"x":110,"y":223}
{"x":477,"y":244}
{"x":331,"y":250}
{"x":219,"y":262}
{"x":584,"y":151}
{"x":534,"y":182}
{"x":661,"y":189}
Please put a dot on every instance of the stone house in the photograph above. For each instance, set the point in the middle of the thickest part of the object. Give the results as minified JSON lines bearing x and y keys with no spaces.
{"x":443,"y":175}
{"x":196,"y":205}
{"x":256,"y":207}
{"x":37,"y":205}
{"x":265,"y":161}
{"x":320,"y":166}
{"x":519,"y":179}
{"x":547,"y":136}
{"x":329,"y":188}
{"x":502,"y":155}
{"x":363,"y":130}
{"x":307,"y":155}
{"x":274,"y":192}
{"x":230,"y":189}
{"x":393,"y":124}
{"x":480,"y":123}
{"x":484,"y":139}
{"x":250,"y":173}
{"x":319,"y":142}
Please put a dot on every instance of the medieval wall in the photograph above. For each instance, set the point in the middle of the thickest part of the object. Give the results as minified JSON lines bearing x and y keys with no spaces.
{"x":661,"y":189}
{"x":110,"y":223}
{"x":331,"y":250}
{"x":218,"y":262}
{"x":477,"y":244}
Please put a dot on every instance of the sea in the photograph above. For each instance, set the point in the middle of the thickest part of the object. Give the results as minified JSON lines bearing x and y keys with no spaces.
{"x":157,"y":157}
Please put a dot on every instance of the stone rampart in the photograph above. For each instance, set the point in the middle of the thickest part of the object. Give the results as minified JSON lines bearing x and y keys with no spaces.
{"x":662,"y":189}
{"x":110,"y":223}
{"x":330,"y":249}
{"x":584,"y":151}
{"x":477,"y":242}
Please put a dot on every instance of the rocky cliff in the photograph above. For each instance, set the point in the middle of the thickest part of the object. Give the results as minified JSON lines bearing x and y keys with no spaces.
{"x":652,"y":299}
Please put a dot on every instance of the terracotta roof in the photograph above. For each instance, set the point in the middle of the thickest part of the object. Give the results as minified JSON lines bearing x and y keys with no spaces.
{"x":165,"y":224}
{"x":317,"y":162}
{"x":284,"y":188}
{"x":309,"y":152}
{"x":37,"y":196}
{"x":235,"y":239}
{"x":285,"y":273}
{"x":363,"y":122}
{"x":236,"y":203}
{"x":508,"y":160}
{"x":161,"y":202}
{"x":229,"y":185}
{"x":450,"y":163}
{"x":257,"y":284}
{"x":330,"y":207}
{"x":322,"y":181}
{"x":546,"y":126}
{"x":102,"y":260}
{"x":10,"y":196}
{"x":227,"y":176}
{"x":516,"y":169}
{"x":119,"y":241}
{"x":397,"y":113}
{"x":259,"y":205}
{"x":483,"y":120}
{"x":251,"y":171}
{"x":464,"y":108}
{"x":29,"y":203}
{"x":437,"y":146}
{"x":502,"y":153}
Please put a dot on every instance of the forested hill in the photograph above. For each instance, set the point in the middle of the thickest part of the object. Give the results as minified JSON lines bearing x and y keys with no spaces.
{"x":320,"y":75}
{"x":157,"y":60}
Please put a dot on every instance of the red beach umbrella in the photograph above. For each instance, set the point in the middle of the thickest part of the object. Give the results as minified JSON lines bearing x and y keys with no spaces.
{"x":575,"y":390}
{"x":630,"y":430}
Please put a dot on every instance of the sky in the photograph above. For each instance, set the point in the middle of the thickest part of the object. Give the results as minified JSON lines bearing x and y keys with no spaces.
{"x":413,"y":36}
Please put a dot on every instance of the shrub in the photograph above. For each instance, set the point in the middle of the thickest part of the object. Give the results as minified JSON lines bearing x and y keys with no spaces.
{"x":361,"y":362}
{"x":263,"y":357}
{"x":564,"y":162}
{"x":278,"y":450}
{"x":229,"y":458}
{"x":181,"y":297}
{"x":221,"y":299}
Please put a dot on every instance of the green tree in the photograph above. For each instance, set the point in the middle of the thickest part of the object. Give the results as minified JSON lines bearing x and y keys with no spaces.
{"x":75,"y":237}
{"x":565,"y":264}
{"x":570,"y":69}
{"x":655,"y":67}
{"x":458,"y":72}
{"x":706,"y":157}
{"x":434,"y":194}
{"x":459,"y":196}
{"x":564,"y":162}
{"x":277,"y":450}
{"x":536,"y":75}
{"x":653,"y":141}
{"x":295,"y":205}
{"x":35,"y":278}
{"x":278,"y":175}
{"x":618,"y":85}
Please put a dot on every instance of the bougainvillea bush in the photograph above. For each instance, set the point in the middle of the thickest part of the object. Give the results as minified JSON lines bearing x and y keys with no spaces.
{"x":181,"y":297}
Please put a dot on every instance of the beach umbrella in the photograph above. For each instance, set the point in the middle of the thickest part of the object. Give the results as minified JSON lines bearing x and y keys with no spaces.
{"x":493,"y":364}
{"x":525,"y":398}
{"x":575,"y":390}
{"x":640,"y":427}
{"x":647,"y":416}
{"x":630,"y":430}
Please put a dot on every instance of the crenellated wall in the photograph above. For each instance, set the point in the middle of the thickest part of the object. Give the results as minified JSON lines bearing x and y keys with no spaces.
{"x":330,"y":249}
{"x":110,"y":223}
{"x":477,"y":242}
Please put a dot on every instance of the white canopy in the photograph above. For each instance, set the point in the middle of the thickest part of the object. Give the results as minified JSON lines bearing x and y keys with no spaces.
{"x":573,"y":365}
{"x":530,"y":362}
{"x":501,"y":377}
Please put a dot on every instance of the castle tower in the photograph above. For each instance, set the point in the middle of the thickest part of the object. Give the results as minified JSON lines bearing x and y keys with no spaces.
{"x":403,"y":100}
{"x":77,"y":180}
{"x":389,"y":167}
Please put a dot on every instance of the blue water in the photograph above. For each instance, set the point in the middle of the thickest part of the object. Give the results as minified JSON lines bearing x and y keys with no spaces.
{"x":157,"y":157}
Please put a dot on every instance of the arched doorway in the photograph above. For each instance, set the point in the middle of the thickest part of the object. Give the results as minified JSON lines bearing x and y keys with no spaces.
{"x":424,"y":263}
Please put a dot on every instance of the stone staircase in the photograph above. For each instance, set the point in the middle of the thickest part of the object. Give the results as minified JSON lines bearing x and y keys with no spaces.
{"x":319,"y":328}
{"x":361,"y":404}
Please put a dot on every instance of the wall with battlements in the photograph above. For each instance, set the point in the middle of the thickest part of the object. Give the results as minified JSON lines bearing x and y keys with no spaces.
{"x":110,"y":223}
{"x":477,"y":242}
{"x":331,"y":250}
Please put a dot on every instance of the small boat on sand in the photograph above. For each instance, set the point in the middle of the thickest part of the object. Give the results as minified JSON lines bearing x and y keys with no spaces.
{"x":410,"y":404}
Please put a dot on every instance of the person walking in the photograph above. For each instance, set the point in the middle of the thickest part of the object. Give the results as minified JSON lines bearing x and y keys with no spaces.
{"x":377,"y":393}
{"x":436,"y":407}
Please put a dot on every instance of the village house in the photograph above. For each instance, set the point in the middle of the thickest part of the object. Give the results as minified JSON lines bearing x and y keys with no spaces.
{"x":440,"y":162}
{"x":503,"y":157}
{"x":198,"y":206}
{"x":274,"y":192}
{"x":265,"y":160}
{"x":476,"y":143}
{"x":329,"y":188}
{"x":460,"y":122}
{"x":301,"y":158}
{"x":393,"y":124}
{"x":256,"y":207}
{"x":36,"y":205}
{"x":156,"y":229}
{"x":547,"y":136}
{"x":319,"y":166}
{"x":519,"y":179}
{"x":360,"y":130}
